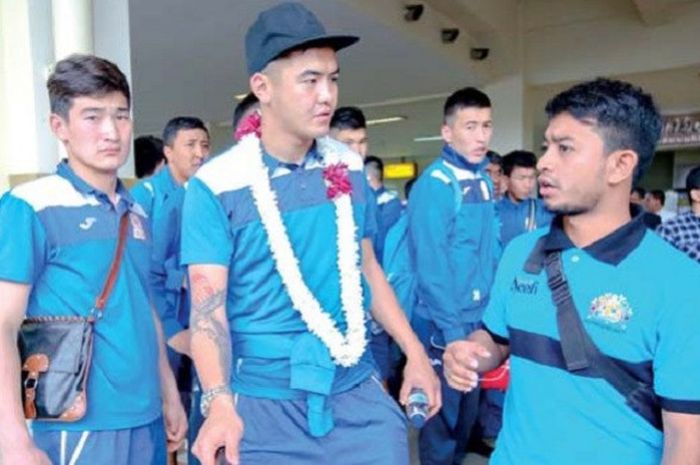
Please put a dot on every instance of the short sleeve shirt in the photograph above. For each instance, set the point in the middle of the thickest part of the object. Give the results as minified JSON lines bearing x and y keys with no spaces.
{"x":635,"y":295}
{"x":221,"y":225}
{"x":59,"y":235}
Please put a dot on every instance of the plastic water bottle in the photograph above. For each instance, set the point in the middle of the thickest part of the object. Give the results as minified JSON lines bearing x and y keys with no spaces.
{"x":417,"y":407}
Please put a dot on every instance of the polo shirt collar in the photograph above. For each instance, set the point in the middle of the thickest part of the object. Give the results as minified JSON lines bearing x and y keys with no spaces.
{"x":611,"y":249}
{"x":273,"y":163}
{"x":168,"y":179}
{"x":450,"y":155}
{"x":65,"y":171}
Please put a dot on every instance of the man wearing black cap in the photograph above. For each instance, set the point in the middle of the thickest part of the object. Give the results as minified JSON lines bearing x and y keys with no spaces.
{"x":275,"y":233}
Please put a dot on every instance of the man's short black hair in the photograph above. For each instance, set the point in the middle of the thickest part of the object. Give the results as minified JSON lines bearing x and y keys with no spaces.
{"x":83,"y":76}
{"x":465,"y":98}
{"x":625,"y":116}
{"x":148,"y":154}
{"x":692,"y":181}
{"x":518,"y":158}
{"x":408,"y":186}
{"x":659,"y":195}
{"x":179,"y":123}
{"x":348,"y":118}
{"x":494,"y":158}
{"x":243,"y":106}
{"x":376,"y":164}
{"x":641,"y":192}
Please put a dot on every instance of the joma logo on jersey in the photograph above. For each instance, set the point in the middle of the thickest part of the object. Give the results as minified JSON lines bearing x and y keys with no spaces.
{"x":524,"y":286}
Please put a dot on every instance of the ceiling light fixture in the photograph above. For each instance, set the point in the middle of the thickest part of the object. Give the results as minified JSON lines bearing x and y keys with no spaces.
{"x":413,"y":12}
{"x":240,"y":96}
{"x":427,"y":139}
{"x":449,"y":36}
{"x":479,"y":53}
{"x":389,"y":119}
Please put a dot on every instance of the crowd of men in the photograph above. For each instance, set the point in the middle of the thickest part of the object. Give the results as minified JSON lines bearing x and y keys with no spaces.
{"x":265,"y":300}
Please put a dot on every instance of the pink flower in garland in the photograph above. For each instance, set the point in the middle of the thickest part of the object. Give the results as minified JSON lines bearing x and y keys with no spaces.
{"x":250,"y":125}
{"x":338,"y":180}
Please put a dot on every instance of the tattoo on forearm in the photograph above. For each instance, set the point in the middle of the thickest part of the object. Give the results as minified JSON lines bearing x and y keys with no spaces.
{"x":203,"y":320}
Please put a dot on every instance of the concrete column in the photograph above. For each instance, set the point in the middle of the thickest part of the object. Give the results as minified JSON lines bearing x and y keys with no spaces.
{"x":27,"y":147}
{"x":32,"y":39}
{"x":72,"y":27}
{"x":508,"y":93}
{"x":508,"y":102}
{"x":112,"y":41}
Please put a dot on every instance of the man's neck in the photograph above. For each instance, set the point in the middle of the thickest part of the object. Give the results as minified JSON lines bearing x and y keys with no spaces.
{"x":283,"y":146}
{"x":513,"y":199}
{"x":587,"y":228}
{"x":102,"y":181}
{"x":695,"y":207}
{"x":179,"y":180}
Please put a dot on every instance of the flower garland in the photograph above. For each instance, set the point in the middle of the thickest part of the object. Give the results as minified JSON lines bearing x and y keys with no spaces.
{"x":346,"y":350}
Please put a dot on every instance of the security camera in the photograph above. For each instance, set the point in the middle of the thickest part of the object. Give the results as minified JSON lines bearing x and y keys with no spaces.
{"x":479,"y":54}
{"x":449,"y":35}
{"x":413,"y":12}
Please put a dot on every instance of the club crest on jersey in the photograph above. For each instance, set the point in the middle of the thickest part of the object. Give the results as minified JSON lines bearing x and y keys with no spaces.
{"x":611,"y":311}
{"x":137,"y":227}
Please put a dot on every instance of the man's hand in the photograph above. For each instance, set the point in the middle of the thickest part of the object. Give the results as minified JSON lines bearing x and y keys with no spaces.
{"x":222,"y":428}
{"x":461,"y":362}
{"x":180,"y":342}
{"x":27,"y":454}
{"x":418,"y":373}
{"x":175,"y":420}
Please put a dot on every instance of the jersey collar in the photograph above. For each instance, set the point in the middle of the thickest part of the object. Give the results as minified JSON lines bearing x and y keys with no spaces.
{"x":611,"y":249}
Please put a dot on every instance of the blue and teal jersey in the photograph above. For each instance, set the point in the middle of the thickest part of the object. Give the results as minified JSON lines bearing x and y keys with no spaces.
{"x":454,"y":251}
{"x":161,"y":198}
{"x":515,"y":217}
{"x":58,"y":235}
{"x":634,"y":294}
{"x":274,"y":354}
{"x":388,"y":212}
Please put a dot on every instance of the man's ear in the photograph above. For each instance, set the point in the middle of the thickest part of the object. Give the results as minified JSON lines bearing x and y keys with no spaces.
{"x":59,"y":126}
{"x":695,"y":195}
{"x":261,"y":86}
{"x":168,"y":152}
{"x":446,"y":133}
{"x":621,"y":165}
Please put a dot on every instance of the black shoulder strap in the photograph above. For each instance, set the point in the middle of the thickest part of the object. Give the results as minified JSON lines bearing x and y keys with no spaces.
{"x":580,"y":352}
{"x":535,"y":261}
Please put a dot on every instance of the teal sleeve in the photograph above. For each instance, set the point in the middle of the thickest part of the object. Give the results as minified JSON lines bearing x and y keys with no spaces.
{"x":206,"y":234}
{"x":677,"y":355}
{"x":23,"y":242}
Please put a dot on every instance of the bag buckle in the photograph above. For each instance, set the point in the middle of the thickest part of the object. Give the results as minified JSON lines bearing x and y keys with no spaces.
{"x":96,"y":313}
{"x":34,"y":366}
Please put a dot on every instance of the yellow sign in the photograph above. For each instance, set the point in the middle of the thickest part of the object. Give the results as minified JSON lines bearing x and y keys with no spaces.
{"x":400,"y":170}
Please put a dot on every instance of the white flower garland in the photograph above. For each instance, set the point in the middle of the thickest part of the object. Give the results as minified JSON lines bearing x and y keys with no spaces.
{"x":347,"y":349}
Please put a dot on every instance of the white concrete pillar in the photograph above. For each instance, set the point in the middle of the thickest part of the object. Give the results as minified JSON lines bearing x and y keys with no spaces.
{"x":27,"y":147}
{"x":32,"y":38}
{"x":72,"y":27}
{"x":112,"y":41}
{"x":508,"y":102}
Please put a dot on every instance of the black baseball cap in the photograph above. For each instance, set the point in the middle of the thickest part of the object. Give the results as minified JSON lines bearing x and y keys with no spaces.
{"x":286,"y":27}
